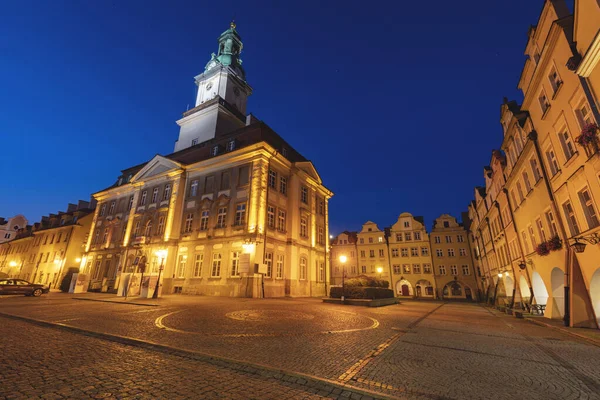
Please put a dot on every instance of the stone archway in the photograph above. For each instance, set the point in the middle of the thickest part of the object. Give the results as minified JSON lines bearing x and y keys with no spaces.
{"x":595,"y":294}
{"x":524,"y":289}
{"x":424,"y":288}
{"x":540,"y":294}
{"x":509,"y":286}
{"x":404,"y":288}
{"x":454,"y":290}
{"x":557,"y":279}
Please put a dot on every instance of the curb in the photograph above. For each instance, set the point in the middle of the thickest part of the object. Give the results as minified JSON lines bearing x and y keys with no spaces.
{"x":564,"y":330}
{"x":320,"y":385}
{"x":117,"y":302}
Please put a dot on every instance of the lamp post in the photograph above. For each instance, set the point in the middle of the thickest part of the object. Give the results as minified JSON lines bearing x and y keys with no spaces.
{"x":12,"y":264}
{"x":379,"y":271}
{"x":343,"y":260}
{"x":162,"y":254}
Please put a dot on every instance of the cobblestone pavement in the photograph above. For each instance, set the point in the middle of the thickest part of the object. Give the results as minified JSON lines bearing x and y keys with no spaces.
{"x":427,"y":350}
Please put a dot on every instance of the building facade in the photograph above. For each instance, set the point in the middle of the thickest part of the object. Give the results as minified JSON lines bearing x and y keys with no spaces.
{"x":11,"y":226}
{"x":372,"y":249}
{"x":344,"y":245}
{"x":234,"y":211}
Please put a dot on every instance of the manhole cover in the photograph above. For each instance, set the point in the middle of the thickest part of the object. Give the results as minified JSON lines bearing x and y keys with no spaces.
{"x":266,"y":315}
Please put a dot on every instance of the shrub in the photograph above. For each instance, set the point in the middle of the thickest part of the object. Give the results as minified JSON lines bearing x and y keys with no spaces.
{"x":361,"y":292}
{"x":554,"y":244}
{"x":366,"y":281}
{"x":66,"y":280}
{"x":542,"y":249}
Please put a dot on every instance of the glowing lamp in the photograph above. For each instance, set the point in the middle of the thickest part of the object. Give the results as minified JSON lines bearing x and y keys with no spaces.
{"x":78,"y":260}
{"x":379,"y":270}
{"x":343,"y":259}
{"x":12,"y":264}
{"x":161,"y":253}
{"x":500,"y":275}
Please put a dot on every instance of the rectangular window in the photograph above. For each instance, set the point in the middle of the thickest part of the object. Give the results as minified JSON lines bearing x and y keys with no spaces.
{"x":240,"y":214}
{"x":154,"y":195}
{"x":370,"y":240}
{"x":417,"y":235}
{"x":180,"y":273}
{"x":395,"y":253}
{"x":571,"y":220}
{"x":424,"y":251}
{"x":397,"y":269}
{"x":426,"y":268}
{"x":194,"y":142}
{"x":189,"y":220}
{"x":235,"y":263}
{"x":584,"y":115}
{"x":372,"y":253}
{"x":416,"y":268}
{"x":363,"y":269}
{"x":143,"y":199}
{"x":281,"y":221}
{"x":381,"y":253}
{"x":448,"y":239}
{"x":137,"y":230}
{"x":526,"y":181}
{"x":304,"y":194}
{"x":466,"y":270}
{"x":198,"y":265}
{"x":406,"y":268}
{"x":532,"y":236}
{"x":272,"y":179}
{"x":161,"y":225}
{"x":243,"y":175}
{"x":398,"y":237}
{"x":462,"y":252}
{"x":230,"y":145}
{"x":414,"y":251}
{"x":439,"y":252}
{"x":551,"y":223}
{"x":453,"y":270}
{"x":204,"y":220}
{"x":303,"y":227}
{"x":216,"y":266}
{"x":221,"y":217}
{"x":540,"y":228}
{"x":279,"y":267}
{"x":544,"y":104}
{"x":535,"y":169}
{"x":283,"y":185}
{"x":321,"y":207}
{"x":407,"y":224}
{"x":404,"y":252}
{"x":214,"y":150}
{"x":225,"y":180}
{"x":442,"y":270}
{"x":460,"y":239}
{"x":566,"y":143}
{"x":525,"y":242}
{"x":362,"y":254}
{"x":130,"y":206}
{"x":552,"y":162}
{"x":103,"y":210}
{"x":450,"y":252}
{"x":209,"y":184}
{"x":437,"y":239}
{"x":588,"y":208}
{"x":520,"y":191}
{"x":111,"y":209}
{"x":271,"y":216}
{"x":555,"y":81}
{"x":194,"y":188}
{"x":407,"y":237}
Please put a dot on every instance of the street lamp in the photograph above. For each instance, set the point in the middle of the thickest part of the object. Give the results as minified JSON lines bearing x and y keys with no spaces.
{"x":78,"y":260}
{"x":12,"y":264}
{"x":162,"y":254}
{"x":379,"y":271}
{"x":343,"y":260}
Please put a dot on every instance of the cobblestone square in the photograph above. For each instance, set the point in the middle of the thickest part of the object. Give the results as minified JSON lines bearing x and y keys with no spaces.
{"x":58,"y":346}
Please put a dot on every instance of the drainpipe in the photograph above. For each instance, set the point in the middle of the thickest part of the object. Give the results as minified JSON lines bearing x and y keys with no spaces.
{"x":533,"y":136}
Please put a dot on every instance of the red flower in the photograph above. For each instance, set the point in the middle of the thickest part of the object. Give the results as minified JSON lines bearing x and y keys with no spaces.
{"x":554,"y":244}
{"x":542,"y":249}
{"x":589,"y":134}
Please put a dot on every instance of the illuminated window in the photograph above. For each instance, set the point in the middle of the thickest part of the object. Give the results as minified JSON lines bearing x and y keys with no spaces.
{"x":588,"y":208}
{"x":272,"y":179}
{"x":154,"y":195}
{"x":189,"y":220}
{"x":427,"y":268}
{"x":221,"y":217}
{"x":279,"y":269}
{"x":180,"y":273}
{"x":303,"y":227}
{"x":240,"y":214}
{"x":143,"y":199}
{"x":281,"y":220}
{"x":161,"y":225}
{"x":304,"y":269}
{"x":235,"y":263}
{"x":304,"y":194}
{"x":198,"y":265}
{"x":204,"y":220}
{"x":194,"y":188}
{"x":466,"y":270}
{"x":283,"y":185}
{"x":442,"y":270}
{"x":167,"y":192}
{"x":216,"y":266}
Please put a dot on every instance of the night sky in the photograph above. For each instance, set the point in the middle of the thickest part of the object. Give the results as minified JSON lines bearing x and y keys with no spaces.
{"x":397,"y":103}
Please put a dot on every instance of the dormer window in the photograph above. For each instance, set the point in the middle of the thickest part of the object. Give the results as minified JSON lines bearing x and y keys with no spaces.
{"x":120,"y":181}
{"x":284,"y":151}
{"x":231,"y":145}
{"x":214,"y":150}
{"x":194,"y":142}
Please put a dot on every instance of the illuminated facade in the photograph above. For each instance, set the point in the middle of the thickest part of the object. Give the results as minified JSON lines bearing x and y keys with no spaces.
{"x":344,"y":245}
{"x":238,"y":210}
{"x":9,"y":227}
{"x":44,"y":252}
{"x":372,"y":252}
{"x":548,"y":176}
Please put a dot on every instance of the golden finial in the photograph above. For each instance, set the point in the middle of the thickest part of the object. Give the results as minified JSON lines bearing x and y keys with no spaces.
{"x":232,"y":24}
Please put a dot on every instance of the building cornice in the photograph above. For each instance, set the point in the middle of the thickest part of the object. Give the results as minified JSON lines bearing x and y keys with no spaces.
{"x":591,"y":58}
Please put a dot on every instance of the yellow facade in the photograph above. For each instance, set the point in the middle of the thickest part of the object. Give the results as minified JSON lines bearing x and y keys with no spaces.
{"x":372,"y":252}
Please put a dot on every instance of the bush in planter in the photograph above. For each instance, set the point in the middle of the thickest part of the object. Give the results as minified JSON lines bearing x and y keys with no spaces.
{"x":542,"y":249}
{"x":361,"y":292}
{"x":366,"y":281}
{"x":66,"y":281}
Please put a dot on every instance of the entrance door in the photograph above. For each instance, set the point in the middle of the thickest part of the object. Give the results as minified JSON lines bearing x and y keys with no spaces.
{"x":418,"y":291}
{"x":405,"y":290}
{"x":468,"y":293}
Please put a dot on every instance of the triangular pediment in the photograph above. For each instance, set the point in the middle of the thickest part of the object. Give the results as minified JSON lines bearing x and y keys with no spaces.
{"x":310,"y":169}
{"x":157,"y":166}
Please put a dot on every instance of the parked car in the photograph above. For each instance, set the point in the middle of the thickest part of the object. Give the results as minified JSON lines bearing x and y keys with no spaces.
{"x":20,"y":286}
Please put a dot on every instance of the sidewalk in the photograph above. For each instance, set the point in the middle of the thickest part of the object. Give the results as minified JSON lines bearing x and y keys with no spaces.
{"x":112,"y":298}
{"x":590,"y":335}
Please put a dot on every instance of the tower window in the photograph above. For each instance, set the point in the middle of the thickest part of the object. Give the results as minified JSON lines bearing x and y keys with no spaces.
{"x":214,"y":151}
{"x":231,"y":145}
{"x":194,"y":142}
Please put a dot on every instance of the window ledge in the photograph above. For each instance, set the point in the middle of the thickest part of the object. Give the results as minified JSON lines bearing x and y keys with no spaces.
{"x":560,"y":85}
{"x":545,"y":112}
{"x":571,"y":160}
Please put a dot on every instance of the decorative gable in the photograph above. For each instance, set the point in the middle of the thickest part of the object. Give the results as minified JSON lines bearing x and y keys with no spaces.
{"x":309,"y":168}
{"x":157,"y":166}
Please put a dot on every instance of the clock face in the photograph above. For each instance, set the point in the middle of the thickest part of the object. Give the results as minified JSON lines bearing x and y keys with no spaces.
{"x":236,"y":91}
{"x":209,"y":86}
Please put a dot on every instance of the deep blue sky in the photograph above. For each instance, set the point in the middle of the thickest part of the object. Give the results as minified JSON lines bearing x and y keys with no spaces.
{"x":396,"y":103}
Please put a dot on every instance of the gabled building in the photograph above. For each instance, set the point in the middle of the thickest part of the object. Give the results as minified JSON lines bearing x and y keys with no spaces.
{"x":234,"y":211}
{"x":9,"y":227}
{"x":344,"y":244}
{"x":372,"y":252}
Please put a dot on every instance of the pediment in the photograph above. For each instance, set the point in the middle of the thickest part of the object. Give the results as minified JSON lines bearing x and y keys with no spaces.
{"x":157,"y":166}
{"x":309,"y":168}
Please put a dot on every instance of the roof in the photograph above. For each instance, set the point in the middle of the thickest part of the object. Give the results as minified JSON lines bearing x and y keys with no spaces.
{"x":246,"y":136}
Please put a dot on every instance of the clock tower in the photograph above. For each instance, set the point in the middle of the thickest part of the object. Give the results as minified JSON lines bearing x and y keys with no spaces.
{"x":222,"y":95}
